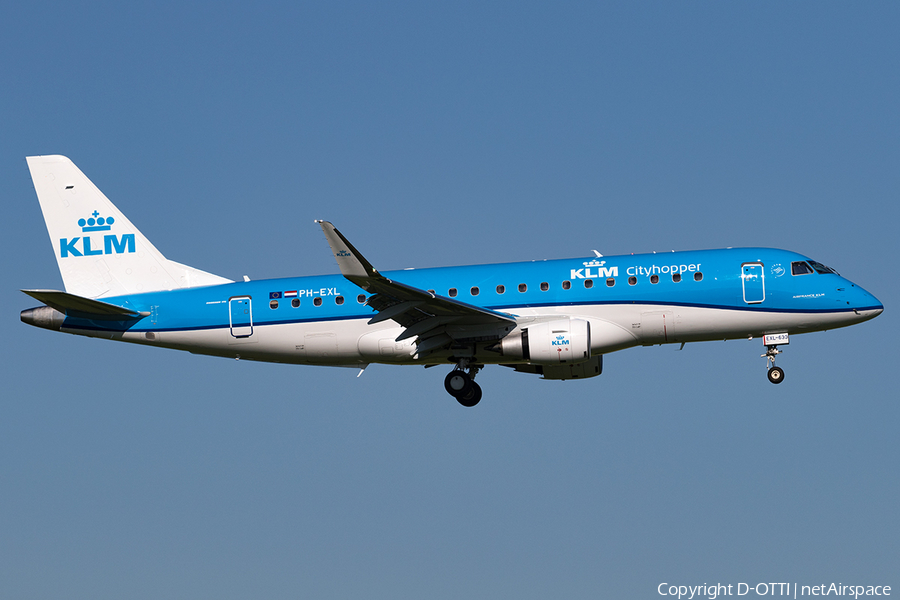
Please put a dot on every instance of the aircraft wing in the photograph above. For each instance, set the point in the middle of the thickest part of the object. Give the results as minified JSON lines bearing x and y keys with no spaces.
{"x":436,"y":321}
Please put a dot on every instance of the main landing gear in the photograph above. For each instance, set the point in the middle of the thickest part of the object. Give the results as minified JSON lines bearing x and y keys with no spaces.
{"x":775,"y":374}
{"x":461,"y":384}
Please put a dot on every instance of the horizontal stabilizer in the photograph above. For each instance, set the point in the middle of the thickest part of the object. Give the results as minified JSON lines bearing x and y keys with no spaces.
{"x":73,"y":305}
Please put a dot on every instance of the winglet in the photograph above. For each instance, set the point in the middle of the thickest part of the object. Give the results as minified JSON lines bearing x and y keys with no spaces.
{"x":350,"y":261}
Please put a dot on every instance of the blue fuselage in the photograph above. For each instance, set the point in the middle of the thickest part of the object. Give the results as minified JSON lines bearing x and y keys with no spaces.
{"x":709,"y":295}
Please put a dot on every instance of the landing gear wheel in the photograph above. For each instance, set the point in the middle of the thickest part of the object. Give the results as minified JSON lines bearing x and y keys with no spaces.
{"x":458,"y":383}
{"x":776,"y":374}
{"x":471,"y":397}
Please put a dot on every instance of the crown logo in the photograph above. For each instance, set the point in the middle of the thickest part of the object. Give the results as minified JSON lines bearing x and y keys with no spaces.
{"x":595,"y":263}
{"x":96,"y":223}
{"x":560,"y":337}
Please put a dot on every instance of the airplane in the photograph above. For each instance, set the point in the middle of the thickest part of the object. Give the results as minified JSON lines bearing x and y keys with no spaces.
{"x":552,"y":318}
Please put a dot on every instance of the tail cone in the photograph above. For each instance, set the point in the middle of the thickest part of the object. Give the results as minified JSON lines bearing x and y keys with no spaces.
{"x":43,"y":316}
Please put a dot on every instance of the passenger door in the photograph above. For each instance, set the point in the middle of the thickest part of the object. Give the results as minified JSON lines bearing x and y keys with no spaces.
{"x":240,"y":313}
{"x":753,"y":280}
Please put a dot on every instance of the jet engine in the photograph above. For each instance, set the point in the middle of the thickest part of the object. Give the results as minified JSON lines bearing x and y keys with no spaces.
{"x":564,"y":341}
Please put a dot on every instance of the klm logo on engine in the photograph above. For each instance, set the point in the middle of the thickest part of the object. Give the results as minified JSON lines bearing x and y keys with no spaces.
{"x":88,"y":246}
{"x":560,"y":341}
{"x":600,"y":273}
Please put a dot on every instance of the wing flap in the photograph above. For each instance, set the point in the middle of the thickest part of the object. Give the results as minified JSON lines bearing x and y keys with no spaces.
{"x":394,"y":310}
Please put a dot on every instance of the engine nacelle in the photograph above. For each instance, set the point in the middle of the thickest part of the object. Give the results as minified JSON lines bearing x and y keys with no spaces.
{"x":582,"y":370}
{"x":564,"y":341}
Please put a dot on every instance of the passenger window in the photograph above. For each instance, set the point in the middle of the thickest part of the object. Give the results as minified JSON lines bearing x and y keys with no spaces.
{"x":632,"y":280}
{"x":588,"y":283}
{"x":567,"y":284}
{"x":317,"y":301}
{"x":361,"y":298}
{"x":545,"y":286}
{"x":698,"y":276}
{"x":295,"y":302}
{"x":273,"y":304}
{"x":339,"y":300}
{"x":800,"y":268}
{"x":452,"y":293}
{"x":523,"y":287}
{"x":610,"y":282}
{"x":676,"y":277}
{"x":501,"y":289}
{"x":474,"y":291}
{"x":654,"y":279}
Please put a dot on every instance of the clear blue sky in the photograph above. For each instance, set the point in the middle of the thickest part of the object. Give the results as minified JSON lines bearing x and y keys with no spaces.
{"x":439,"y":134}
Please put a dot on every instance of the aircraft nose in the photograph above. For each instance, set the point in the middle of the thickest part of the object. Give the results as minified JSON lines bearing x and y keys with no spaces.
{"x":875,"y":304}
{"x":871,"y":313}
{"x":866,"y":304}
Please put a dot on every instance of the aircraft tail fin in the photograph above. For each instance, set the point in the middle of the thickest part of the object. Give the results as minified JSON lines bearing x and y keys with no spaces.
{"x":100,"y":253}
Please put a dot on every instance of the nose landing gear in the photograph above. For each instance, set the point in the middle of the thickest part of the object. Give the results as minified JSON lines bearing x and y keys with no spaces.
{"x":775,"y":374}
{"x":461,"y":384}
{"x":772,"y":341}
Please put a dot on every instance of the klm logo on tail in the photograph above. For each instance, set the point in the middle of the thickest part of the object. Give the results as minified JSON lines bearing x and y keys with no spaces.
{"x":111,"y":243}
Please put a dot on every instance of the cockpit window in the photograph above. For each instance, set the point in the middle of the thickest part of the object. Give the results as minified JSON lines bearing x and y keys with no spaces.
{"x":800,"y":268}
{"x":820,"y":268}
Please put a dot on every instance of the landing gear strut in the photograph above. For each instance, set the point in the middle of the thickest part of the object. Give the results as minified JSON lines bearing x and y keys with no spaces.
{"x":461,"y":384}
{"x":775,"y":374}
